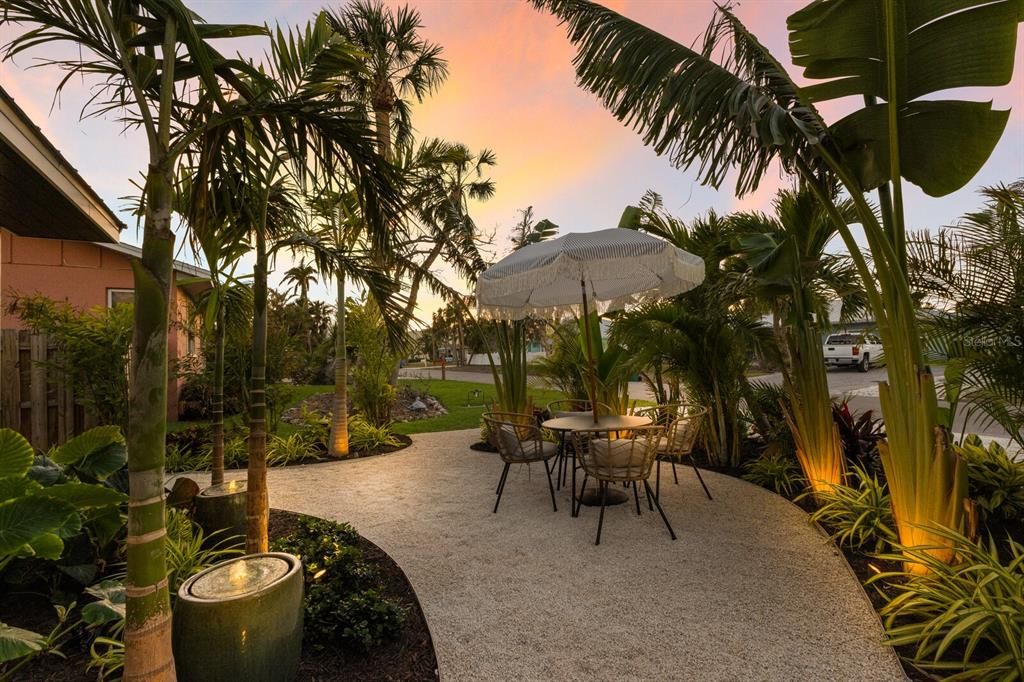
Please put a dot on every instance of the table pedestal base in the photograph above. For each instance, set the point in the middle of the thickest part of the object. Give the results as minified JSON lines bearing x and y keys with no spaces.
{"x":591,"y":497}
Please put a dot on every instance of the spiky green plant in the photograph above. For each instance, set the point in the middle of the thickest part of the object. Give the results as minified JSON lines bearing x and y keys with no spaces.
{"x":858,"y":516}
{"x":777,"y":472}
{"x":964,"y":620}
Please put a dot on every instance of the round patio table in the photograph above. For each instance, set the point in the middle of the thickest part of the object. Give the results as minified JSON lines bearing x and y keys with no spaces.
{"x":584,"y":421}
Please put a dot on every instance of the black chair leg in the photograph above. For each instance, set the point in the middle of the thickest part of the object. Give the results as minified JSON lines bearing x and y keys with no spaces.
{"x":577,"y":500}
{"x":700,"y":478}
{"x":561,"y":459}
{"x":551,"y":488}
{"x":661,"y":511}
{"x":636,"y":498}
{"x":674,"y":474}
{"x":657,"y":480}
{"x":600,"y":518}
{"x":501,"y":486}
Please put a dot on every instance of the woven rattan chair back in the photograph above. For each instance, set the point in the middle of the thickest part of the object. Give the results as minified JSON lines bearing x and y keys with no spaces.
{"x":516,"y":435}
{"x":606,"y":457}
{"x":682,"y":423}
{"x":572,"y":407}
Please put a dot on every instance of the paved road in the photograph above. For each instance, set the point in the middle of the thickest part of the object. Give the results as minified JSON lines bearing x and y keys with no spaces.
{"x":860,"y":387}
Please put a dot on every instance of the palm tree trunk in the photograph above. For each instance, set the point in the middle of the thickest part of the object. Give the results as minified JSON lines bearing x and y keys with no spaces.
{"x":383,"y":118}
{"x":339,"y":420}
{"x":148,"y":614}
{"x":147,"y":633}
{"x":218,"y":398}
{"x":257,"y":506}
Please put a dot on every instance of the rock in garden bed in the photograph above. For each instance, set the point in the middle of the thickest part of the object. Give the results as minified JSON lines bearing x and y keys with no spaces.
{"x":409,"y":406}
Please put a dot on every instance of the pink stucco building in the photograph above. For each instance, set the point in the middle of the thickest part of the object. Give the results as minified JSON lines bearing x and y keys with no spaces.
{"x":59,"y":239}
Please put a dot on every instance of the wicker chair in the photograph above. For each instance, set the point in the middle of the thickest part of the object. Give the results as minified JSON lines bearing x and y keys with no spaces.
{"x":620,"y":460}
{"x":682,"y":423}
{"x":571,"y":408}
{"x":519,"y":441}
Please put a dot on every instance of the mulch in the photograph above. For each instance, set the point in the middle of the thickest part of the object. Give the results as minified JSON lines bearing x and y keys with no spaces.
{"x":410,"y":658}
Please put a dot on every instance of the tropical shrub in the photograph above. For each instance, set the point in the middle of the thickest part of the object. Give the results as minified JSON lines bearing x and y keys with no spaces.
{"x":563,"y":368}
{"x":860,"y":434}
{"x":767,"y":405}
{"x":777,"y":472}
{"x":372,"y":392}
{"x":971,"y":275}
{"x":343,"y":605}
{"x":707,"y":338}
{"x":365,"y":436}
{"x":59,"y":516}
{"x":964,"y":620}
{"x":858,"y":517}
{"x":995,"y":482}
{"x":292,"y":449}
{"x":92,"y":352}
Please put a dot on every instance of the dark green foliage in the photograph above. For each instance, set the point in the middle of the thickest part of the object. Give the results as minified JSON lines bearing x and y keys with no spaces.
{"x":777,"y":472}
{"x":766,"y":405}
{"x":345,"y":604}
{"x":972,"y":277}
{"x":92,"y":352}
{"x":995,"y":482}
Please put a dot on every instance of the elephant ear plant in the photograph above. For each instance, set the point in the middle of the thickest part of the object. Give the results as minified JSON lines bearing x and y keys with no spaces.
{"x":46,"y":501}
{"x":731,"y":106}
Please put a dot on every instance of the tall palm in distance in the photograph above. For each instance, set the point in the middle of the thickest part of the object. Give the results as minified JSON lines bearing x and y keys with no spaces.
{"x":301,"y":276}
{"x":445,"y":177}
{"x":400,"y":65}
{"x":342,"y":249}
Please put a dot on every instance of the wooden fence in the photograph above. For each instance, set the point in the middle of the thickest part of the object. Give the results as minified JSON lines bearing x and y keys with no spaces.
{"x":33,"y":398}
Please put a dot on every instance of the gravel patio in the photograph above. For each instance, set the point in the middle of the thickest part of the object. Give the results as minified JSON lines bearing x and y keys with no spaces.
{"x":750,"y":590}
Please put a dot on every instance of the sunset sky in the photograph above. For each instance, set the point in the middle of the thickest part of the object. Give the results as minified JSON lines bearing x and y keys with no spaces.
{"x":511,"y":88}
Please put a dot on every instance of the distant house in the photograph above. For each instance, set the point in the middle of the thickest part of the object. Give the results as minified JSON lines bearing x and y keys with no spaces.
{"x":59,"y":239}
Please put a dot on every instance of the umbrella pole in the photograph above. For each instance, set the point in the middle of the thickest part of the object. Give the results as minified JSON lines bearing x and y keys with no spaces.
{"x":590,"y":350}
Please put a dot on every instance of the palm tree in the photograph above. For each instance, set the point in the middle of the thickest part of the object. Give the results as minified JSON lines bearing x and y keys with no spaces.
{"x":731,"y":106}
{"x":971,"y":277}
{"x":445,"y":177}
{"x":346,"y":248}
{"x":704,"y":338}
{"x":530,"y":231}
{"x":301,"y":130}
{"x":791,"y":272}
{"x":302,"y":276}
{"x":114,"y":41}
{"x":400,"y":64}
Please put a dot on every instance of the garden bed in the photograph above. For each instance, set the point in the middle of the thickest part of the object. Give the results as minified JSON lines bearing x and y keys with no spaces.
{"x":408,"y":658}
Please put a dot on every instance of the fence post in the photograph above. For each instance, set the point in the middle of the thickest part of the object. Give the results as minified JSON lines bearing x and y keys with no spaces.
{"x":37,"y":392}
{"x":10,"y":380}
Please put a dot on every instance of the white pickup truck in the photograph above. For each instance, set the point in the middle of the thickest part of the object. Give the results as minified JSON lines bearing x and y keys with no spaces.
{"x":852,"y":350}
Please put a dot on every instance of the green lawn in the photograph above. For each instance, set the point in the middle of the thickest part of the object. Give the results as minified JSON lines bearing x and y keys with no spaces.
{"x":453,"y":395}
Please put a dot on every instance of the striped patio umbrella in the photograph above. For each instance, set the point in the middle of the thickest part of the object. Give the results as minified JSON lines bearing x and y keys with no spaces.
{"x":606,"y":269}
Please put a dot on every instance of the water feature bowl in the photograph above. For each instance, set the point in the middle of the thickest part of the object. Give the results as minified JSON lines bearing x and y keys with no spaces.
{"x":240,"y":620}
{"x":220,"y":509}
